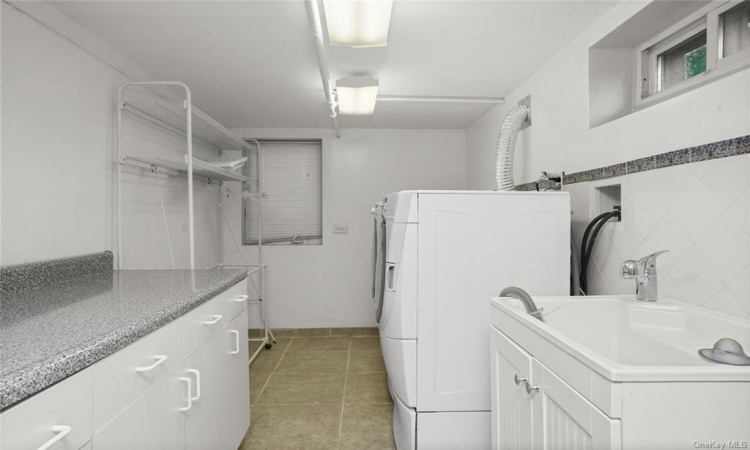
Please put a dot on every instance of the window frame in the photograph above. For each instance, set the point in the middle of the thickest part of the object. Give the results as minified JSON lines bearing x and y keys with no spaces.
{"x":706,"y":18}
{"x":737,"y":57}
{"x":260,"y":195}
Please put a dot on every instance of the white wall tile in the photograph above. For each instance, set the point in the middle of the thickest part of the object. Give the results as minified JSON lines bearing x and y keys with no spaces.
{"x":705,"y":230}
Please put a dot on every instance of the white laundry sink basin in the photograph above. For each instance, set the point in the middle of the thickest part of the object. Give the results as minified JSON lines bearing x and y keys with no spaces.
{"x":624,"y":339}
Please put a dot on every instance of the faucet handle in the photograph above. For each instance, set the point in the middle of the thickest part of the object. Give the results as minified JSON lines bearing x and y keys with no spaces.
{"x":629,"y":269}
{"x":648,"y":261}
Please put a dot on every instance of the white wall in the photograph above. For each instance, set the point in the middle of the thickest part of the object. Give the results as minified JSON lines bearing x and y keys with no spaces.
{"x":560,"y":140}
{"x":329,"y":285}
{"x":58,"y":112}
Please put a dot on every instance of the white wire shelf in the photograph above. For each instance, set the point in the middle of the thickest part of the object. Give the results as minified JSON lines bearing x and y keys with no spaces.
{"x":173,"y":165}
{"x":170,"y":115}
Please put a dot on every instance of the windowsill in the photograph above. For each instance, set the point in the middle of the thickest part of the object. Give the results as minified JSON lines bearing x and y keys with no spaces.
{"x":692,"y":83}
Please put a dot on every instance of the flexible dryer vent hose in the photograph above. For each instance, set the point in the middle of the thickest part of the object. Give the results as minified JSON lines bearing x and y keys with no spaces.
{"x":506,"y":145}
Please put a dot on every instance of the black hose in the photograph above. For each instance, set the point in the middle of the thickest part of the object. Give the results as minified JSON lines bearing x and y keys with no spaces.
{"x":587,"y":244}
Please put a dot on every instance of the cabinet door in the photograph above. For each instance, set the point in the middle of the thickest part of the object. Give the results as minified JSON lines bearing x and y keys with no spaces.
{"x":511,"y":405}
{"x":204,"y":427}
{"x":153,"y":421}
{"x":236,"y":389}
{"x":565,"y":419}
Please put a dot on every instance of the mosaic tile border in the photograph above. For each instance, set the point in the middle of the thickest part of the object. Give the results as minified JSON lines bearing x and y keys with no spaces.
{"x":22,"y":277}
{"x":714,"y":150}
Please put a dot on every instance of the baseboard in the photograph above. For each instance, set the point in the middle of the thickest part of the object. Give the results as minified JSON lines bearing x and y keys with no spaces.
{"x":315,"y":332}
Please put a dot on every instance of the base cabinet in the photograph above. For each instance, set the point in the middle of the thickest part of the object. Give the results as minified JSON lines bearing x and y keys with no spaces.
{"x":532,"y":408}
{"x":157,"y":393}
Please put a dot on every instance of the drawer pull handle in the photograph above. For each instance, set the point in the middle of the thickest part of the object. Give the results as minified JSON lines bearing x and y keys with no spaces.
{"x":189,"y":383}
{"x":519,"y":380}
{"x":241,"y":298}
{"x":197,"y":383}
{"x":159,"y":359}
{"x":62,"y":431}
{"x":236,"y":342}
{"x":215,"y":320}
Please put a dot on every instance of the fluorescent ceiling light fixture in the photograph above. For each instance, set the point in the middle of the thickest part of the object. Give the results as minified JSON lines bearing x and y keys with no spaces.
{"x":356,"y":96}
{"x":358,"y":23}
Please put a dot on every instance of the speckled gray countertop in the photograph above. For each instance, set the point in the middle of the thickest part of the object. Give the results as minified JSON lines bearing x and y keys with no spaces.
{"x":55,"y":330}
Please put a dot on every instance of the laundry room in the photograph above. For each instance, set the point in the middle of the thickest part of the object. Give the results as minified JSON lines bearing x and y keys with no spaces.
{"x":359,"y":224}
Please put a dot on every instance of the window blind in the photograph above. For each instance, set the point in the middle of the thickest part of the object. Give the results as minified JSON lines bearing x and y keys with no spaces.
{"x":291,"y":198}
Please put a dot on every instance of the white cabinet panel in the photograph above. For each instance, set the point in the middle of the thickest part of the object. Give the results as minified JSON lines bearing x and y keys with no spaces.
{"x":236,"y":390}
{"x":511,"y":412}
{"x":562,"y":418}
{"x":500,"y":238}
{"x":126,"y":375}
{"x":62,"y":412}
{"x":207,"y":368}
{"x":153,"y":422}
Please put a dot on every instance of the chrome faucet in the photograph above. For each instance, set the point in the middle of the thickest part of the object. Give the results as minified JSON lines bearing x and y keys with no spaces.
{"x":643,"y":272}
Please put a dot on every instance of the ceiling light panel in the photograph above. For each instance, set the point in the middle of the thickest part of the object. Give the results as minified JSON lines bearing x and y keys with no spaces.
{"x":356,"y":96}
{"x":358,"y":23}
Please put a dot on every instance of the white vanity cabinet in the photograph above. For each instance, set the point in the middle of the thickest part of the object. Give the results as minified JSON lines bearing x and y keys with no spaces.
{"x":533,"y":408}
{"x":184,"y":386}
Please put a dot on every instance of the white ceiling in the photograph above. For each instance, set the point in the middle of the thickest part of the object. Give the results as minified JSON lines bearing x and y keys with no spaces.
{"x":253,"y":64}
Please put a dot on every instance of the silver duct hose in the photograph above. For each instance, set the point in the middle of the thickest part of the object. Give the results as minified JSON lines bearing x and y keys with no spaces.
{"x":506,"y":146}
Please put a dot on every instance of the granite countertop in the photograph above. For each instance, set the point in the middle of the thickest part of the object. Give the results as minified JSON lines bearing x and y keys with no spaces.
{"x":55,"y":330}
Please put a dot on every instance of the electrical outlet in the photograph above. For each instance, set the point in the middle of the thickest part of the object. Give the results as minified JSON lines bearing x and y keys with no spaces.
{"x":341,"y":229}
{"x":183,"y":226}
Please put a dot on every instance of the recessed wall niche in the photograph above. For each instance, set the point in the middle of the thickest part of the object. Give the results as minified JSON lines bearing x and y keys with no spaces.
{"x":612,"y":59}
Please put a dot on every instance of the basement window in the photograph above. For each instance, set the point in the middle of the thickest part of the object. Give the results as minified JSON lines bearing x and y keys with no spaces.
{"x":285,"y":207}
{"x":709,"y":44}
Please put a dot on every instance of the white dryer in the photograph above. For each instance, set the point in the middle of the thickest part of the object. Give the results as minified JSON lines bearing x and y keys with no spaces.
{"x":438,"y":258}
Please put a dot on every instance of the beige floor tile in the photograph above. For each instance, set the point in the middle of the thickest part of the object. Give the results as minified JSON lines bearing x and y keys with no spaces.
{"x":268,"y":359}
{"x":313,"y":362}
{"x":367,"y":388}
{"x":373,"y":331}
{"x":367,"y":427}
{"x":347,"y":331}
{"x":320,"y":344}
{"x":257,"y":383}
{"x":366,"y":362}
{"x":303,"y":389}
{"x":293,"y":427}
{"x":365,"y":343}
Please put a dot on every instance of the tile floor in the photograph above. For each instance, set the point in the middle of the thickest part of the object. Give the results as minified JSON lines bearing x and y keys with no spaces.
{"x":320,"y":393}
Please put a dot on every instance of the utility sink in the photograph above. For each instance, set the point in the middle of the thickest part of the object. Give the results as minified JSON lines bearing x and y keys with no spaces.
{"x":624,"y":339}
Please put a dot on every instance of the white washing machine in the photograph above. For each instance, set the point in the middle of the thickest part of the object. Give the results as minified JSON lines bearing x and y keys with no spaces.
{"x":438,"y":258}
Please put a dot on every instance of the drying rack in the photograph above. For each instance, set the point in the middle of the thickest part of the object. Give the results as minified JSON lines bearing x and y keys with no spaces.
{"x":181,"y":117}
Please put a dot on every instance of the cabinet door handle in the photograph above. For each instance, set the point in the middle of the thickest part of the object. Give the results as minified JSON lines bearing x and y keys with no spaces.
{"x":61,"y":431}
{"x":189,"y":393}
{"x":159,"y":359}
{"x":241,"y":298}
{"x":197,"y":383}
{"x":215,"y":320}
{"x":531,"y":389}
{"x":519,"y":380}
{"x":236,"y":342}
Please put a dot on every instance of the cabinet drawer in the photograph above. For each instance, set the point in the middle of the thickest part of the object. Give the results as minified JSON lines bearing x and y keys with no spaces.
{"x":154,"y":421}
{"x":124,"y":376}
{"x":234,"y":300}
{"x":205,"y":322}
{"x":63,"y":410}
